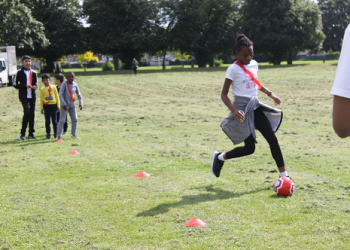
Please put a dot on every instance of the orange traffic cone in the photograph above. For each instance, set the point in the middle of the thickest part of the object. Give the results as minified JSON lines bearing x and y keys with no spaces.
{"x":59,"y":140}
{"x":195,"y":222}
{"x":74,"y":152}
{"x":141,"y":174}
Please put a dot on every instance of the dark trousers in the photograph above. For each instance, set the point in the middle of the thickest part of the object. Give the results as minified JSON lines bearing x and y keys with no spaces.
{"x":65,"y":125}
{"x":28,"y":116}
{"x":263,"y":125}
{"x":135,"y":70}
{"x":50,"y":112}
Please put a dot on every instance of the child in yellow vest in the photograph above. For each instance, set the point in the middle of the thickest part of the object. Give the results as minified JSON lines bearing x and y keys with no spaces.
{"x":50,"y":105}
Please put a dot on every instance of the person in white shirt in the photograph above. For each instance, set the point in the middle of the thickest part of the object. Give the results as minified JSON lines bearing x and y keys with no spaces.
{"x":341,"y":90}
{"x":26,"y":81}
{"x":247,"y":113}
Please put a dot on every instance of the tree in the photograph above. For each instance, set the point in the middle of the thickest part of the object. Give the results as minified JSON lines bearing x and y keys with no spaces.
{"x":121,"y":28}
{"x":204,"y":28}
{"x":335,"y":19}
{"x":180,"y":56}
{"x":61,"y":19}
{"x":279,"y":27}
{"x":86,"y":57}
{"x":18,"y":27}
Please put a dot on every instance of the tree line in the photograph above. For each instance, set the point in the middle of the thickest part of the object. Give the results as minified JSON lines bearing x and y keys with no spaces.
{"x":124,"y":29}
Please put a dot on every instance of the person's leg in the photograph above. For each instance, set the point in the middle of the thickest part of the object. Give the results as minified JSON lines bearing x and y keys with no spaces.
{"x":58,"y":117}
{"x":25,"y":119}
{"x":263,"y":125}
{"x":31,"y":117}
{"x":218,"y":158}
{"x":65,"y":126}
{"x":47,"y":114}
{"x":54,"y":119}
{"x":63,"y":116}
{"x":74,"y":120}
{"x":247,"y":149}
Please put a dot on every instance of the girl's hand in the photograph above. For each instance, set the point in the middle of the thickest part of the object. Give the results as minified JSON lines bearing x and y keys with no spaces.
{"x":80,"y":107}
{"x":276,"y":99}
{"x":42,"y":111}
{"x":239,"y":115}
{"x":65,"y":107}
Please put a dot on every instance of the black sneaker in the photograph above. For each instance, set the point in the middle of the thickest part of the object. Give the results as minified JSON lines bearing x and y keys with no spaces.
{"x":48,"y":137}
{"x":31,"y":137}
{"x":22,"y":137}
{"x":216,"y":164}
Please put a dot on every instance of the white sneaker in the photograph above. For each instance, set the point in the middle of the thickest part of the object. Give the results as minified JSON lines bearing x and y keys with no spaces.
{"x":75,"y":137}
{"x":65,"y":133}
{"x":21,"y":137}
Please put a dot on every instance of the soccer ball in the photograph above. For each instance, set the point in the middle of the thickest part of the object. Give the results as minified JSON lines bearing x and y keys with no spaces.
{"x":284,"y":186}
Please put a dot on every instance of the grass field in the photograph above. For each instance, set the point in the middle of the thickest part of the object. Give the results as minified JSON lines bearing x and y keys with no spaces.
{"x":167,"y":124}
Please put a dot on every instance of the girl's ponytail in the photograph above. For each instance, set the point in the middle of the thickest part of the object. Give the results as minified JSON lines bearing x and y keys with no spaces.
{"x":241,"y":41}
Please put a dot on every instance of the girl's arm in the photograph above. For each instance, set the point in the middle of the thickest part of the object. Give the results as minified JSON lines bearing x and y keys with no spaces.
{"x":80,"y":97}
{"x":341,"y":116}
{"x":270,"y":94}
{"x":239,"y":114}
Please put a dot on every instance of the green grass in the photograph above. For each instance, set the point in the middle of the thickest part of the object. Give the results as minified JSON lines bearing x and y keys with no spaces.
{"x":167,"y":124}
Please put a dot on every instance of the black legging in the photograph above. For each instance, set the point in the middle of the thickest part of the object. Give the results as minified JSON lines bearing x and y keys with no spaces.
{"x":263,"y":125}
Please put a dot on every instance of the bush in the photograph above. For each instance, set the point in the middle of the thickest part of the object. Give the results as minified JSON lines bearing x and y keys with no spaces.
{"x":218,"y":63}
{"x":107,"y":66}
{"x":65,"y":65}
{"x":335,"y":53}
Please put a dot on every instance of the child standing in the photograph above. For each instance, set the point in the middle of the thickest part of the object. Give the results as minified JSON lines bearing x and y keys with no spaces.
{"x":247,"y":113}
{"x":59,"y":78}
{"x":134,"y":65}
{"x":50,"y":105}
{"x":26,"y":81}
{"x":67,"y":91}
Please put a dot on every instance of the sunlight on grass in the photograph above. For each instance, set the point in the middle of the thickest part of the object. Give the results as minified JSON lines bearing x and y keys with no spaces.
{"x":168,"y":124}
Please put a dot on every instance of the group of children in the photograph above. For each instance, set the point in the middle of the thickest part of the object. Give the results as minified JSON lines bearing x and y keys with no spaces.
{"x":247,"y":112}
{"x":55,"y":101}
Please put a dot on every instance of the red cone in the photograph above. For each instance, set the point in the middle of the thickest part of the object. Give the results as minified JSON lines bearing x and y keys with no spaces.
{"x":195,"y":222}
{"x":141,"y":174}
{"x":59,"y":140}
{"x":74,"y":152}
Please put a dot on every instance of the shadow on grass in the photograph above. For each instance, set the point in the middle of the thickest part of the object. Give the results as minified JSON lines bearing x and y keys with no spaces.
{"x":27,"y":142}
{"x":213,"y":194}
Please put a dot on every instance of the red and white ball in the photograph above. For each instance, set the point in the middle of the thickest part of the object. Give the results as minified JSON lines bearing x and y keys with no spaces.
{"x":284,"y":186}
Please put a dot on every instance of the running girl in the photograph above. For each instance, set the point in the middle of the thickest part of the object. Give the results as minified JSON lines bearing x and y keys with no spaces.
{"x":247,"y":113}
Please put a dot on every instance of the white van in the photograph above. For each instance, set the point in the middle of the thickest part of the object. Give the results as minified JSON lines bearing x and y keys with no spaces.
{"x":8,"y":65}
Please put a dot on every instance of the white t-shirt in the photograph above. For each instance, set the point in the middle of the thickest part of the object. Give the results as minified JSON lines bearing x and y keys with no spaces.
{"x":29,"y":90}
{"x":242,"y":84}
{"x":341,"y":84}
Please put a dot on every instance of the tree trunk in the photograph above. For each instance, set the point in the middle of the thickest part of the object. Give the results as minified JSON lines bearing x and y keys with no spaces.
{"x":116,"y":61}
{"x":164,"y":53}
{"x":290,"y":58}
{"x":127,"y":62}
{"x":276,"y":61}
{"x":50,"y":66}
{"x":201,"y":60}
{"x":211,"y":61}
